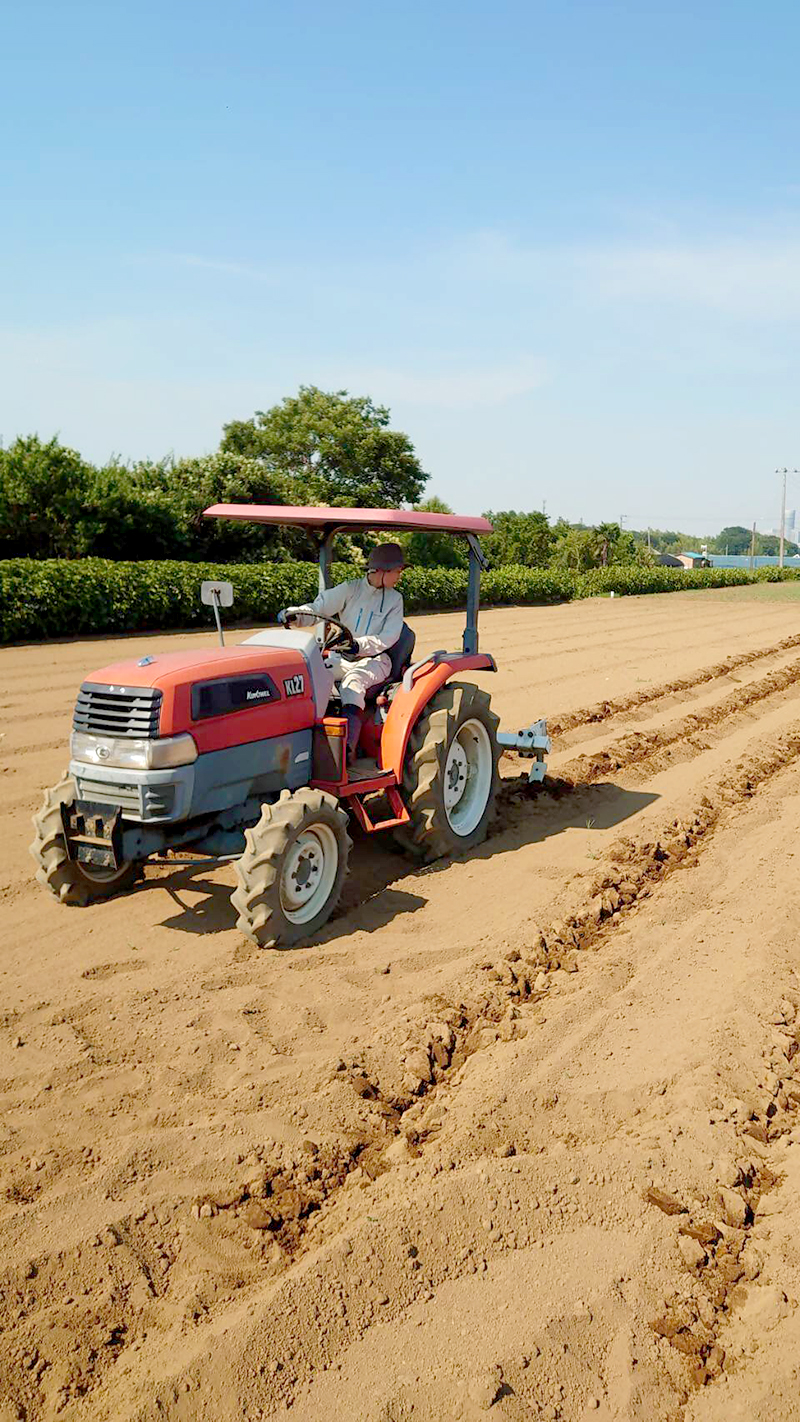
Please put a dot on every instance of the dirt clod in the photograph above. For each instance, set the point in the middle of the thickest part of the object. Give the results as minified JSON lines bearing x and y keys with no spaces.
{"x":733,"y":1208}
{"x":663,"y":1201}
{"x":692,"y":1252}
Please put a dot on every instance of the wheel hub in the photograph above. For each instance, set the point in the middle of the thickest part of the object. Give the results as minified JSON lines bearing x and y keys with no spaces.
{"x":468,"y":775}
{"x":303,"y":873}
{"x":456,"y":775}
{"x":309,"y":872}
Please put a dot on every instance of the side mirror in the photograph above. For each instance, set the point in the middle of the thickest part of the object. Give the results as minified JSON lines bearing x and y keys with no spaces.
{"x":216,"y":594}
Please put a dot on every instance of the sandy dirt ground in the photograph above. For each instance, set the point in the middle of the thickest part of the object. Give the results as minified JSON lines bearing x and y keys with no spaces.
{"x":517,"y":1136}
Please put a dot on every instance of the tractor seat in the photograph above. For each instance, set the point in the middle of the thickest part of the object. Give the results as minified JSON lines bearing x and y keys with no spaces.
{"x":400,"y":656}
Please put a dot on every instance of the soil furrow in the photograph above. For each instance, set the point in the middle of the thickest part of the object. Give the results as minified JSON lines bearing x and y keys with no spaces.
{"x":604,"y":710}
{"x":297,"y":1203}
{"x":446,"y":1034}
{"x":641,"y":746}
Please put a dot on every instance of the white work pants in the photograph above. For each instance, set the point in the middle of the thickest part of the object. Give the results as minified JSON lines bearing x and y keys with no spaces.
{"x":354,"y":679}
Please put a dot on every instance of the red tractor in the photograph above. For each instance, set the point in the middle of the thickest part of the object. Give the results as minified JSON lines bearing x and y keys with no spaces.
{"x":240,"y":754}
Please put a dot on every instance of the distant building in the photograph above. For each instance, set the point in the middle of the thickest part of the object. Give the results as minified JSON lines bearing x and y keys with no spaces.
{"x":669,"y":560}
{"x":693,"y":560}
{"x":789,"y":528}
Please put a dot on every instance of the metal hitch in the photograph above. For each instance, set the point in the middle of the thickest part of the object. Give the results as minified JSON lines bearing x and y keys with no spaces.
{"x":93,"y":833}
{"x":532,"y":744}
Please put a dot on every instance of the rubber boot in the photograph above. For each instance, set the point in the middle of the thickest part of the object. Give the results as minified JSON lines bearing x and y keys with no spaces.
{"x":353,"y":715}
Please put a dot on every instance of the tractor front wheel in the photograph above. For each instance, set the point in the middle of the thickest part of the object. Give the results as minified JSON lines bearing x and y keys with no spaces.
{"x":450,"y":774}
{"x":70,"y":881}
{"x":290,"y":876}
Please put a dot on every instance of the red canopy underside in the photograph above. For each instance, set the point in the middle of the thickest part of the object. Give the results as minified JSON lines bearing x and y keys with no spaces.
{"x":327,"y":519}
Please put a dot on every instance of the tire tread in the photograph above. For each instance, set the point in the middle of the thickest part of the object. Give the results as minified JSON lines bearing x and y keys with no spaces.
{"x":429,"y":836}
{"x":55,"y":871}
{"x":255,"y":897}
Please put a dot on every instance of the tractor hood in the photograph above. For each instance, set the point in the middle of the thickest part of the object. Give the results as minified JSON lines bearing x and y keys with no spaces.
{"x":167,"y":668}
{"x":224,"y":696}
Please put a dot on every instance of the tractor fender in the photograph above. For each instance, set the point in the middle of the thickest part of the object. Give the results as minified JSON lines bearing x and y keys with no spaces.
{"x":407,"y":706}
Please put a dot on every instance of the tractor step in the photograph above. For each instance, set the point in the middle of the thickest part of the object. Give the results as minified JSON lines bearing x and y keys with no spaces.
{"x":366,"y":769}
{"x":364,"y":779}
{"x":361,"y":778}
{"x":399,"y":814}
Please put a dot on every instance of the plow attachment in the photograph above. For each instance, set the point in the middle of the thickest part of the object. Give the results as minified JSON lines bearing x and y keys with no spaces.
{"x":532,"y":744}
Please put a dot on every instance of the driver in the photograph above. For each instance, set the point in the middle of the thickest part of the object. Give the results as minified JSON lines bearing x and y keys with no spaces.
{"x":371,"y":609}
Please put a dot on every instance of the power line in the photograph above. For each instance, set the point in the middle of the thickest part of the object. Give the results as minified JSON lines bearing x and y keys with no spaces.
{"x":694,"y":518}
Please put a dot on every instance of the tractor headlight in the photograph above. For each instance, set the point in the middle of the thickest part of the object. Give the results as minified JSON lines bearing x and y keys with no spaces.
{"x":124,"y":753}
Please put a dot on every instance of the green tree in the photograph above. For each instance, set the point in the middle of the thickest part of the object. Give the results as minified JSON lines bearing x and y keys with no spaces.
{"x":525,"y":538}
{"x":335,"y":448}
{"x":573,"y":548}
{"x":611,"y":545}
{"x":126,"y":518}
{"x":669,"y":540}
{"x":583,"y":548}
{"x":188,"y":486}
{"x":734,"y":540}
{"x":770,"y":544}
{"x":43,"y":493}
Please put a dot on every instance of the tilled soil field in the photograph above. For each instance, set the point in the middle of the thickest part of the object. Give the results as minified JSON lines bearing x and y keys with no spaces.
{"x":517,"y":1136}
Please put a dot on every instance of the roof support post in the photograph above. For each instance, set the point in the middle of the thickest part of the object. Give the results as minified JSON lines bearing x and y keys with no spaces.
{"x":476,"y":562}
{"x":325,"y":547}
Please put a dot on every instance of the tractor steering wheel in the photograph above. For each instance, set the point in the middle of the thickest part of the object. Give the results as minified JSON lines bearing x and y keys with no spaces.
{"x":338,"y":638}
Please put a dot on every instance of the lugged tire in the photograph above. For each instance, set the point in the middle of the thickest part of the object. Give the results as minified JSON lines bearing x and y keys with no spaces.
{"x":68,"y":881}
{"x":257,"y":897}
{"x":429,"y":835}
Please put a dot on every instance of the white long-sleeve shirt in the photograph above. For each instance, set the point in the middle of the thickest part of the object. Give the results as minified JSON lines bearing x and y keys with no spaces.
{"x":374,"y":616}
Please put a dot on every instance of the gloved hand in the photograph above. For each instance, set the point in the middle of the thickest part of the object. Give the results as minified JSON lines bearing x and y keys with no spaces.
{"x":281,"y":618}
{"x":288,"y":615}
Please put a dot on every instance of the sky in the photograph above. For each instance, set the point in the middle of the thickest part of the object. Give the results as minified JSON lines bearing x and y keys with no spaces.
{"x":560,"y":240}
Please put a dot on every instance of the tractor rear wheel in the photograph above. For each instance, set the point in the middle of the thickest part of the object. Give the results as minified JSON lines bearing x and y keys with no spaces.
{"x":69,"y":880}
{"x":290,"y":876}
{"x":450,"y":774}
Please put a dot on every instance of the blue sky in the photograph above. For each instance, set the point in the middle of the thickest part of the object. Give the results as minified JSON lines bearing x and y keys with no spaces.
{"x":560,"y":240}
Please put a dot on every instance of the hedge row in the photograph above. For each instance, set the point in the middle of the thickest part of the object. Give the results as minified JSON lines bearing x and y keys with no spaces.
{"x":42,"y":599}
{"x":57,"y":598}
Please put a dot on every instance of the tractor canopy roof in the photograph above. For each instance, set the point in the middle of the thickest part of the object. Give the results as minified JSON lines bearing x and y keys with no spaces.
{"x":326,"y":520}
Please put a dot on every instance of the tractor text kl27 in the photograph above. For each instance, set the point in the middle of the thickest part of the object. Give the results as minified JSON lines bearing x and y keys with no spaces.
{"x":239,"y":754}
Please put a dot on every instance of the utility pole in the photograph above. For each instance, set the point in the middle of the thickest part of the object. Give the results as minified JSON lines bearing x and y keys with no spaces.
{"x":649,"y":543}
{"x":753,"y":549}
{"x":784,"y":472}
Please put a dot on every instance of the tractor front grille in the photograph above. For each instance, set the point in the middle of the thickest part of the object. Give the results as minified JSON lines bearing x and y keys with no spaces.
{"x":138,"y":800}
{"x":117,"y":710}
{"x":101,"y":792}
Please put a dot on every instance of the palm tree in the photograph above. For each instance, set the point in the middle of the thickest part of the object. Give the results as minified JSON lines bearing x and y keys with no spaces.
{"x":605,"y":536}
